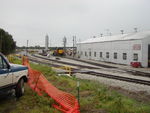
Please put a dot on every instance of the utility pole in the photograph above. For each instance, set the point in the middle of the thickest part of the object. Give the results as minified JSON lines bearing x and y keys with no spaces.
{"x":50,"y":43}
{"x":73,"y":46}
{"x":101,"y":35}
{"x":75,"y":41}
{"x":64,"y":43}
{"x":107,"y":32}
{"x":78,"y":91}
{"x":27,"y":48}
{"x":80,"y":47}
{"x":0,"y":42}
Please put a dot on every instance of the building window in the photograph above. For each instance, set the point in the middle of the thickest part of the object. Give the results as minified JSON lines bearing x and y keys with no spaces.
{"x":90,"y":53}
{"x":107,"y":54}
{"x":101,"y":54}
{"x":115,"y":55}
{"x":124,"y":56}
{"x":85,"y":53}
{"x":81,"y":53}
{"x":135,"y":57}
{"x":94,"y":54}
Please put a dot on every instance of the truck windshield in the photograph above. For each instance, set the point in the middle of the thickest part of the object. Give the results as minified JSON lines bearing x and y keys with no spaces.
{"x":5,"y":59}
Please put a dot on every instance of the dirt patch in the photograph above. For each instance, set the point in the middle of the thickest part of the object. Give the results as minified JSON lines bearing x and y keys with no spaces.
{"x":88,"y":108}
{"x":85,"y":93}
{"x":141,"y":96}
{"x":95,"y":111}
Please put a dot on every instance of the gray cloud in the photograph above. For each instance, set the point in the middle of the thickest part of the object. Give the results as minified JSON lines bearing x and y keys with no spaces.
{"x":33,"y":19}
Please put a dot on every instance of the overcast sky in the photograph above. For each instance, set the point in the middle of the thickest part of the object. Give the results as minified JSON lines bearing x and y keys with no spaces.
{"x":33,"y":19}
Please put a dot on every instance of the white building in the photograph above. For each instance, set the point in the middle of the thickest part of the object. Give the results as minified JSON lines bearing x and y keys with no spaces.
{"x":121,"y":49}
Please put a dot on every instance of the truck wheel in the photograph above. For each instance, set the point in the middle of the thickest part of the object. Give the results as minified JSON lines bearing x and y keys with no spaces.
{"x":19,"y":88}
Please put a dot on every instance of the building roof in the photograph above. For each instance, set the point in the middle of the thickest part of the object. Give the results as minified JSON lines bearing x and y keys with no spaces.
{"x":119,"y":37}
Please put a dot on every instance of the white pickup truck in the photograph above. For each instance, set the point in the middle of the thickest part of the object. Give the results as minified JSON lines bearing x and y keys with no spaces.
{"x":12,"y":76}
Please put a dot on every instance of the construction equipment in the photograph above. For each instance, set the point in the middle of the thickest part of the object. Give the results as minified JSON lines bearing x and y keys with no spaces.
{"x":59,"y":52}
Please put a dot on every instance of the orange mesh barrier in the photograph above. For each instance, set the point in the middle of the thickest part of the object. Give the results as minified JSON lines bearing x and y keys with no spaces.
{"x":66,"y":102}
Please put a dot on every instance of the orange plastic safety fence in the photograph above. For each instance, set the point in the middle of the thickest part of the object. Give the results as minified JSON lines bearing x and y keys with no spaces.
{"x":66,"y":102}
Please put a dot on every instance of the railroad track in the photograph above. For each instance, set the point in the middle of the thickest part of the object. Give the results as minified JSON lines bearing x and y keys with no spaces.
{"x":41,"y":62}
{"x":127,"y":79}
{"x":67,"y":63}
{"x":110,"y":76}
{"x":133,"y":72}
{"x":92,"y":63}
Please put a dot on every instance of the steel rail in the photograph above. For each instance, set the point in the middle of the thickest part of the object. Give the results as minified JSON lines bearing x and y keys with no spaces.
{"x":133,"y":72}
{"x":67,"y":63}
{"x":127,"y":79}
{"x":110,"y":76}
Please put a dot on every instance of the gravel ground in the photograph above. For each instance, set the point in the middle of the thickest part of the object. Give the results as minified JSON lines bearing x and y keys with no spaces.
{"x":128,"y":67}
{"x":68,"y":61}
{"x":116,"y":83}
{"x":132,"y":87}
{"x":119,"y":73}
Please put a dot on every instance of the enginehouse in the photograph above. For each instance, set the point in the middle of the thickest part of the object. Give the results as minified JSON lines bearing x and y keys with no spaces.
{"x":120,"y":49}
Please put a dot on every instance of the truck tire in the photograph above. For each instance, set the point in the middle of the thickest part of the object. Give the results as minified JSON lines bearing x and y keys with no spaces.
{"x":19,"y":91}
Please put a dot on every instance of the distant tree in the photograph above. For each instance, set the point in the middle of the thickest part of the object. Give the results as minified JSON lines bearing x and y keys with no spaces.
{"x":7,"y":44}
{"x":37,"y":47}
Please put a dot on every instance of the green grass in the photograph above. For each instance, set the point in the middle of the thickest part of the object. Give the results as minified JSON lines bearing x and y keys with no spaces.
{"x":29,"y":103}
{"x":94,"y":97}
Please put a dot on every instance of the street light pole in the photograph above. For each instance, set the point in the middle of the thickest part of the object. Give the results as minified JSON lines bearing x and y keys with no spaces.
{"x":0,"y":42}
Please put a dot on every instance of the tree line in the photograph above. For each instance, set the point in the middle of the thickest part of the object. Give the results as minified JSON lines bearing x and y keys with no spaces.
{"x":7,"y":44}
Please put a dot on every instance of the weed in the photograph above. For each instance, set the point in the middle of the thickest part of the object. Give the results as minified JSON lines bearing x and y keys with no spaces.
{"x":94,"y":97}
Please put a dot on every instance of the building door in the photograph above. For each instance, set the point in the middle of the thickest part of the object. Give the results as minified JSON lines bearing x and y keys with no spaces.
{"x":148,"y":55}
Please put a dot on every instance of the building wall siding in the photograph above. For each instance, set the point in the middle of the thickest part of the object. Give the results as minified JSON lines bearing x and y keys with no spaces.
{"x":129,"y":47}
